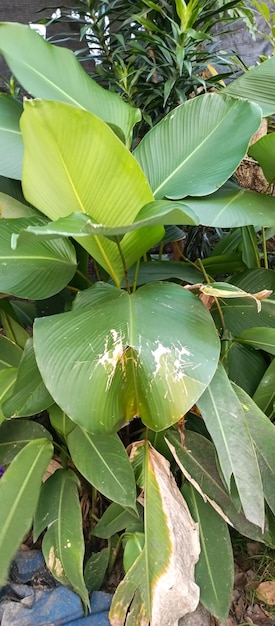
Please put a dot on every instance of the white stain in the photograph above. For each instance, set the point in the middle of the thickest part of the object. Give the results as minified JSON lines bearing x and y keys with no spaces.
{"x":159,"y":355}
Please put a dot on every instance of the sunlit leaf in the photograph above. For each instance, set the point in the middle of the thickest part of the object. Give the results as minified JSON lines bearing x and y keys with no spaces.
{"x":263,"y":151}
{"x":11,"y":153}
{"x":257,"y":86}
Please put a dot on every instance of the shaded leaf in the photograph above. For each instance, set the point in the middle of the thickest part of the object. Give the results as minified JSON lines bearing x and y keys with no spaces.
{"x":53,"y":72}
{"x":10,"y":353}
{"x":29,"y":395}
{"x":214,"y":575}
{"x":7,"y":379}
{"x":184,"y":154}
{"x":19,"y":491}
{"x":227,"y":425}
{"x":264,"y":395}
{"x":103,"y":460}
{"x":163,"y":270}
{"x":257,"y":86}
{"x":259,"y":338}
{"x":109,"y":352}
{"x":11,"y":153}
{"x":16,"y":434}
{"x":95,"y":569}
{"x":60,"y":421}
{"x":9,"y":321}
{"x":244,"y":366}
{"x":113,"y":520}
{"x":59,"y":511}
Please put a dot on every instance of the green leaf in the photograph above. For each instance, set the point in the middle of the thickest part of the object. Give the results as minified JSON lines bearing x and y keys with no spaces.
{"x":227,"y":424}
{"x":63,"y":543}
{"x":214,"y":575}
{"x":105,"y":464}
{"x":60,"y":421}
{"x":184,"y":154}
{"x":19,"y":491}
{"x":16,"y":434}
{"x":113,"y":520}
{"x":198,"y":461}
{"x":10,"y":353}
{"x":110,"y":352}
{"x":7,"y":379}
{"x":244,"y":366}
{"x":250,"y":252}
{"x":72,"y":154}
{"x":257,"y":86}
{"x":95,"y":569}
{"x":259,"y":338}
{"x":263,"y":434}
{"x":53,"y":72}
{"x":233,"y":206}
{"x":29,"y":395}
{"x":132,"y":549}
{"x":151,"y":584}
{"x":34,"y":271}
{"x":9,"y":321}
{"x":12,"y":207}
{"x":264,"y":395}
{"x":223,"y":264}
{"x":162,"y":270}
{"x":263,"y":151}
{"x":11,"y":153}
{"x":254,"y":280}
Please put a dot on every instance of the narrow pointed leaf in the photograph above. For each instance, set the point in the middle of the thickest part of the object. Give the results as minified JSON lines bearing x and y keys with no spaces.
{"x":73,"y":155}
{"x":198,"y":462}
{"x":263,"y":151}
{"x":7,"y":380}
{"x":259,"y":338}
{"x":63,"y":543}
{"x":29,"y":395}
{"x":113,"y":520}
{"x":257,"y":86}
{"x":53,"y":72}
{"x":116,"y":369}
{"x":263,"y":435}
{"x":11,"y":153}
{"x":19,"y":491}
{"x":105,"y":464}
{"x":227,"y":425}
{"x":10,"y":353}
{"x":152,"y":581}
{"x":10,"y":323}
{"x":37,"y":271}
{"x":184,"y":154}
{"x":16,"y":434}
{"x":245,"y":366}
{"x":233,"y":206}
{"x":264,"y":395}
{"x":214,"y":575}
{"x":95,"y":569}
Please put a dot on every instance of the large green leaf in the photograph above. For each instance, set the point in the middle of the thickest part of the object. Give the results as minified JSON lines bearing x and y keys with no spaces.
{"x":214,"y":575}
{"x":244,"y":366}
{"x":264,"y":395}
{"x":171,"y":549}
{"x":198,"y":461}
{"x":233,"y":206}
{"x":59,"y":511}
{"x":11,"y":153}
{"x":10,"y":353}
{"x":259,"y":338}
{"x":185,"y":155}
{"x":19,"y":491}
{"x":34,"y":271}
{"x":16,"y":434}
{"x":53,"y":72}
{"x":263,"y":151}
{"x":256,"y":85}
{"x":74,"y":163}
{"x":104,"y":462}
{"x":263,"y":435}
{"x":227,"y":424}
{"x":151,"y":353}
{"x":29,"y":395}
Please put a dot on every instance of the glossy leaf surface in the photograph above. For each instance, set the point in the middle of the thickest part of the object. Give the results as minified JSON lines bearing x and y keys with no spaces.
{"x":103,"y":460}
{"x":16,"y":434}
{"x":259,"y":338}
{"x":11,"y":153}
{"x":263,"y":151}
{"x":116,"y":369}
{"x":19,"y":491}
{"x":256,"y":85}
{"x":184,"y":154}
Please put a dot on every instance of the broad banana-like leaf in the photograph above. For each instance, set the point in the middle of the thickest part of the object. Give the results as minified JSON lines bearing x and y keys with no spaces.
{"x":197,"y":460}
{"x":7,"y":379}
{"x":59,"y":511}
{"x":53,"y":72}
{"x":16,"y":434}
{"x":10,"y":353}
{"x":185,"y":154}
{"x":104,"y":462}
{"x":29,"y":395}
{"x":259,"y":338}
{"x":19,"y":491}
{"x":12,"y":208}
{"x":233,"y":206}
{"x":263,"y":434}
{"x":256,"y":85}
{"x":264,"y":395}
{"x":34,"y":271}
{"x":11,"y":152}
{"x":151,"y":353}
{"x":254,"y":280}
{"x":213,"y":574}
{"x":227,"y":424}
{"x":73,"y":162}
{"x":244,"y":366}
{"x":160,"y":584}
{"x":263,"y":151}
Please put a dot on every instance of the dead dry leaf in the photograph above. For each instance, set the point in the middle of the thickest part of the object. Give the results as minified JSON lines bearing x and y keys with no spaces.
{"x":266,"y":592}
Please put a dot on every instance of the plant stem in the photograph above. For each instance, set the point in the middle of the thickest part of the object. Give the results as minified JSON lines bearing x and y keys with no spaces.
{"x":124,"y":265}
{"x":135,"y":276}
{"x":84,"y":277}
{"x":264,"y":248}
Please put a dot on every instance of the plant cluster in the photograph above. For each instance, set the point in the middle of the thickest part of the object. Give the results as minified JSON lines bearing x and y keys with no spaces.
{"x":157,"y":376}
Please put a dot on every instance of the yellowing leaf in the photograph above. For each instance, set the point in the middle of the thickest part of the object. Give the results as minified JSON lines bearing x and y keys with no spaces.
{"x":266,"y":592}
{"x":160,"y":586}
